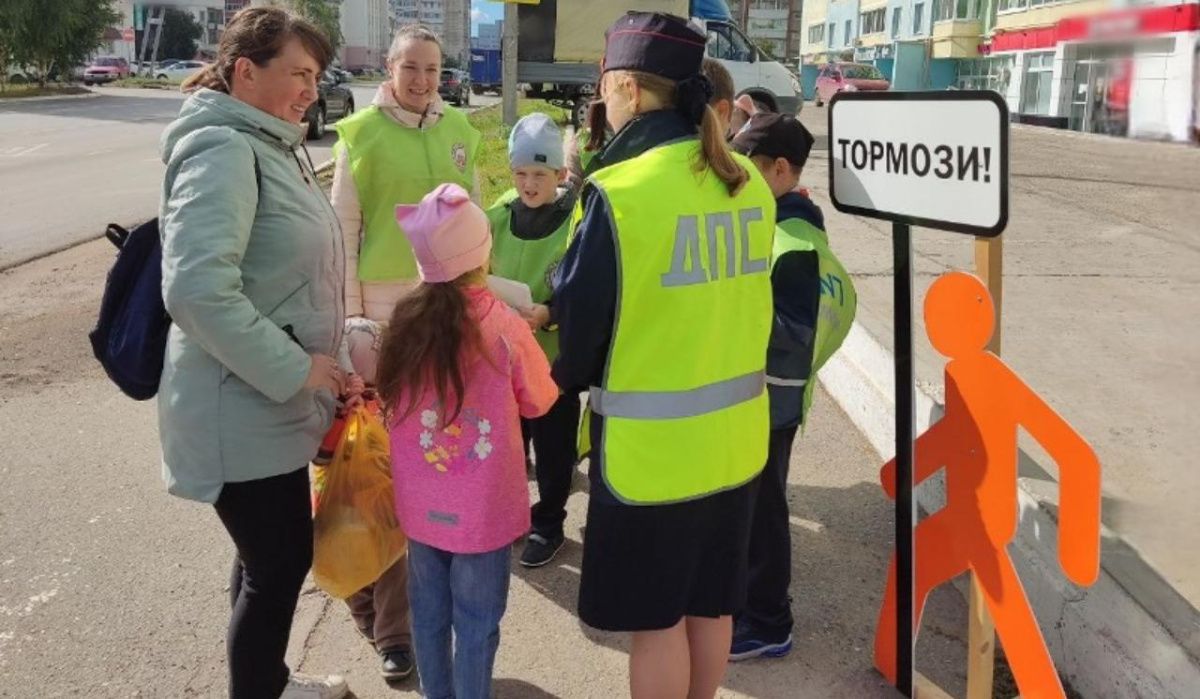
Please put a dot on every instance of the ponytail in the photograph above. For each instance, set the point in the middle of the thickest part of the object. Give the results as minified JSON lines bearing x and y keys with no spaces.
{"x":208,"y":77}
{"x":597,"y":123}
{"x":715,"y":154}
{"x":714,"y":149}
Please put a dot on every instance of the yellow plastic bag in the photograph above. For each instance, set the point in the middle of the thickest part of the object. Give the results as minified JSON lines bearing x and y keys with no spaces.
{"x":355,"y":533}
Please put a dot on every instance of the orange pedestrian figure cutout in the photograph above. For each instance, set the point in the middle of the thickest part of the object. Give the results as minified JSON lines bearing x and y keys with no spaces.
{"x":976,"y":442}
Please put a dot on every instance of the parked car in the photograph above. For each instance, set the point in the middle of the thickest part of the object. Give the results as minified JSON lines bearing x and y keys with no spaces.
{"x":105,"y":69}
{"x":178,"y":71}
{"x":848,"y":77}
{"x":364,"y":71}
{"x":455,"y":87}
{"x":334,"y":101}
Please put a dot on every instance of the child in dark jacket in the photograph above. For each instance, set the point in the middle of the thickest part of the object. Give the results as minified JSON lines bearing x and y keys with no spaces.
{"x":779,"y":146}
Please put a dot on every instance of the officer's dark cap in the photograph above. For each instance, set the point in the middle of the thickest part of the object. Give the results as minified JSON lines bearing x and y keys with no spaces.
{"x":656,"y":43}
{"x":774,"y":136}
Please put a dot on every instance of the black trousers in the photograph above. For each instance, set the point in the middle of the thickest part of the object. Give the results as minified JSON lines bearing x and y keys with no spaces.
{"x":554,"y":436}
{"x":768,"y":610}
{"x":270,"y":522}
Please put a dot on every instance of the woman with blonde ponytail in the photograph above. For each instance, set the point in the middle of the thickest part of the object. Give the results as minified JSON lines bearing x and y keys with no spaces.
{"x":663,"y":303}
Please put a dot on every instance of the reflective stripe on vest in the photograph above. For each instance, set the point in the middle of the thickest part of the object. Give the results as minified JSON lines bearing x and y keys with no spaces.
{"x":683,"y":397}
{"x":666,"y":405}
{"x":787,"y":383}
{"x":395,"y":164}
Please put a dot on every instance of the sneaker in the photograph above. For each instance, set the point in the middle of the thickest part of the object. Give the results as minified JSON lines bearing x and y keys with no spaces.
{"x":397,"y":664}
{"x":315,"y":687}
{"x":747,"y":645}
{"x":540,"y":550}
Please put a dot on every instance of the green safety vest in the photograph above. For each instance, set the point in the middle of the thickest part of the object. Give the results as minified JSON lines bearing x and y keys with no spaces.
{"x":528,"y":261}
{"x":683,"y":398}
{"x":396,"y":164}
{"x":838,"y":302}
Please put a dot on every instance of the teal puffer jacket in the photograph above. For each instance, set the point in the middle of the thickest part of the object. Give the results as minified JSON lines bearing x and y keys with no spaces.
{"x":253,"y":270}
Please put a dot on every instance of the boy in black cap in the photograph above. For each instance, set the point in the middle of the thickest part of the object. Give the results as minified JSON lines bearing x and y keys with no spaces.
{"x":779,"y":146}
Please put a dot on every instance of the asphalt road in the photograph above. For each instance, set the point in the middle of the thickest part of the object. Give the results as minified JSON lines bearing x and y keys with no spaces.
{"x":68,"y":167}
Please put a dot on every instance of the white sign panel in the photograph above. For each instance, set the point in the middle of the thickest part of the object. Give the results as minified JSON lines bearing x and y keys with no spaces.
{"x":932,"y":159}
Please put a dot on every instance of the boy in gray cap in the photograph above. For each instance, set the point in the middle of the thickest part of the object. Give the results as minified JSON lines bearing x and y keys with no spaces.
{"x":530,"y":227}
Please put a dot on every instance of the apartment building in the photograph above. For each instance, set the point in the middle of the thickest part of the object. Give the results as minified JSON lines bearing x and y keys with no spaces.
{"x":1111,"y":66}
{"x":451,"y":19}
{"x":366,"y":33}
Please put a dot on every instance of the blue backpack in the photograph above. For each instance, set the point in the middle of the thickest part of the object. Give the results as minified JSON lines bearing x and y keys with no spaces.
{"x":130,"y":337}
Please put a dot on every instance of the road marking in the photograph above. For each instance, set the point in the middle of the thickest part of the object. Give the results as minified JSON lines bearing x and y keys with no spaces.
{"x":18,"y":151}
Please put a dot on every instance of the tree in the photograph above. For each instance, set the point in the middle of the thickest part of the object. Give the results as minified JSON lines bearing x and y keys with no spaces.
{"x":55,"y":36}
{"x":180,"y":34}
{"x":766,"y":47}
{"x":326,"y":16}
{"x":8,"y":29}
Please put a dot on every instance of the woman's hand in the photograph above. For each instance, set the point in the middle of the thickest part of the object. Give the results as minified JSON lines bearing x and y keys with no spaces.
{"x":353,"y":397}
{"x":325,"y":373}
{"x":537,"y":315}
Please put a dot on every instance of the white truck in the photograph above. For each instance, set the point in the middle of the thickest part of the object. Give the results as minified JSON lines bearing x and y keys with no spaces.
{"x":560,"y":43}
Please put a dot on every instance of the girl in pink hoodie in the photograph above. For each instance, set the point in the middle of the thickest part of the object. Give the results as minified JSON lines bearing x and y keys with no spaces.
{"x":457,"y":371}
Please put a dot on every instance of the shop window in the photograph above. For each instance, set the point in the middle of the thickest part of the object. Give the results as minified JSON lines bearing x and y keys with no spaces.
{"x":991,"y":73}
{"x":1035,"y":88}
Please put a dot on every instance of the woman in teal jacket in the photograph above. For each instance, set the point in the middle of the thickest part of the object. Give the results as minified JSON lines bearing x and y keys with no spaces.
{"x":252,"y":278}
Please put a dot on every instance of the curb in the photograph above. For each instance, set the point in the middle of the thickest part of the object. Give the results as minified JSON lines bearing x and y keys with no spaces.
{"x":47,"y":98}
{"x":1130,"y":634}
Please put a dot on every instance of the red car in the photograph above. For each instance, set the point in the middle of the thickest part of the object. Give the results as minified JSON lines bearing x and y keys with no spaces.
{"x":105,"y":69}
{"x":848,"y":77}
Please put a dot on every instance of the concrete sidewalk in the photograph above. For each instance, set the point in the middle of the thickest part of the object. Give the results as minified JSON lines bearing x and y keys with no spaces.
{"x":1101,"y":276}
{"x":109,"y":587}
{"x":841,"y":533}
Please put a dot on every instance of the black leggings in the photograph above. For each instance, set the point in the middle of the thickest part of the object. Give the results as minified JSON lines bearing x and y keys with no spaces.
{"x":270,"y":522}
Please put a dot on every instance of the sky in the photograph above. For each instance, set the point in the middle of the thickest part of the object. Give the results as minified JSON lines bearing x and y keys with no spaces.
{"x":484,"y":11}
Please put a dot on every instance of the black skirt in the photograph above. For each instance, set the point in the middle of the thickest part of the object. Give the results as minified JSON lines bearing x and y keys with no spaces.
{"x":647,"y":567}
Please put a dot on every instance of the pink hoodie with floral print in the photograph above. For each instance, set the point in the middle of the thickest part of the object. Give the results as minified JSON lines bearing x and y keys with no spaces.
{"x":462,"y":488}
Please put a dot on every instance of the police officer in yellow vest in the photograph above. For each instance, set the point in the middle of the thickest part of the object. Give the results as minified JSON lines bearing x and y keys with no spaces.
{"x":394,"y":152}
{"x":663,"y":303}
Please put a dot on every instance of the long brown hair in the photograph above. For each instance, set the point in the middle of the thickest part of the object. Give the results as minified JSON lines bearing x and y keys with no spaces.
{"x":258,"y":33}
{"x":714,"y":150}
{"x":429,"y":340}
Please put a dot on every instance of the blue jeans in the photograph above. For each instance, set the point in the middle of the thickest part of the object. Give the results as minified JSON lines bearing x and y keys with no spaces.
{"x":466,"y":593}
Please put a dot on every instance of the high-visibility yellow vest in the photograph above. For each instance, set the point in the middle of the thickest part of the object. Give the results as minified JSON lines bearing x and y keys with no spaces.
{"x":839,"y":301}
{"x":396,"y":164}
{"x":683,"y":396}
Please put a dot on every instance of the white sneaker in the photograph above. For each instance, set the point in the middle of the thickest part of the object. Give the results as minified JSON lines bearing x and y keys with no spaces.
{"x":314,"y":687}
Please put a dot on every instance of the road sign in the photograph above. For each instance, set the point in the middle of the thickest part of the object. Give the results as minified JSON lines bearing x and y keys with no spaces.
{"x":127,"y":34}
{"x":932,"y":159}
